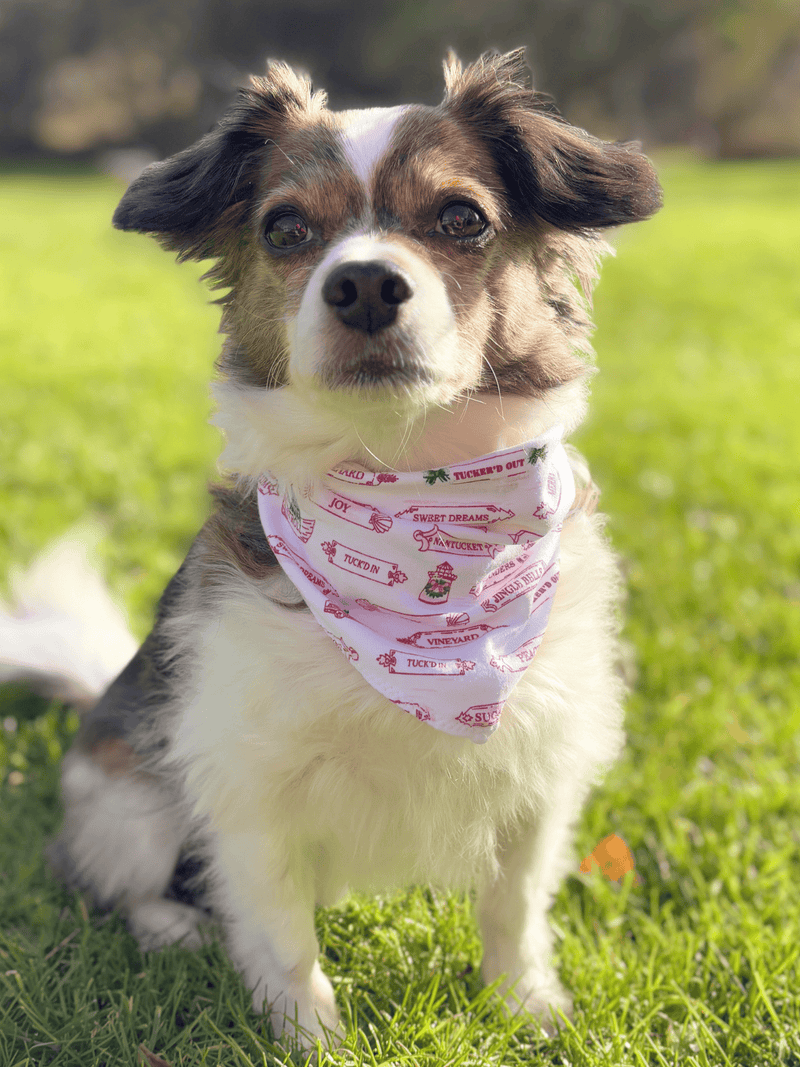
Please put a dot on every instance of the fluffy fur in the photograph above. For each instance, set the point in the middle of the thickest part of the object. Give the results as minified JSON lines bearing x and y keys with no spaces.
{"x":239,"y":747}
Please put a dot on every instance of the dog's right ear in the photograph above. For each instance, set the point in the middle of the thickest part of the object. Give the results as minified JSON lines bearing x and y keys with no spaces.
{"x":182,"y":200}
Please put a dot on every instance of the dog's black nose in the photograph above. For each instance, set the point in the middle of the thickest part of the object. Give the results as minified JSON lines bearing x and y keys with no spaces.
{"x":366,"y":295}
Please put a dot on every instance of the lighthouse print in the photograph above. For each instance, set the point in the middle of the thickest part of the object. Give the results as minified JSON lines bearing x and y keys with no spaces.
{"x":438,"y":586}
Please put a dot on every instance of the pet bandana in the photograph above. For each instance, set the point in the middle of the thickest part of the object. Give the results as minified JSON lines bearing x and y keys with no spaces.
{"x":436,"y":585}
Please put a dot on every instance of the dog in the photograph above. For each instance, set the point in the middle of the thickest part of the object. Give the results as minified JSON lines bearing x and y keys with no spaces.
{"x":406,"y":312}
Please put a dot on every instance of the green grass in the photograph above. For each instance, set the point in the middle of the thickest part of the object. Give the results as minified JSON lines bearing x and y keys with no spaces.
{"x":694,"y":438}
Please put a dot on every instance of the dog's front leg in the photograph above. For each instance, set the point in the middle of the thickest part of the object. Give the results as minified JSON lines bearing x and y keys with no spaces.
{"x":512,"y":911}
{"x":268,"y":907}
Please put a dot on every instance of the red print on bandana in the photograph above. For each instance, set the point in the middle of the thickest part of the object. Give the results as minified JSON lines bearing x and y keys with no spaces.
{"x":337,"y":612}
{"x":281,"y":549}
{"x":481,"y":715}
{"x":370,"y":567}
{"x":437,"y":588}
{"x":467,"y":515}
{"x":359,"y":477}
{"x":397,"y":662}
{"x":450,"y":638}
{"x":290,"y":510}
{"x":519,"y":585}
{"x":521,"y":659}
{"x":436,"y":540}
{"x":421,"y":713}
{"x":369,"y":518}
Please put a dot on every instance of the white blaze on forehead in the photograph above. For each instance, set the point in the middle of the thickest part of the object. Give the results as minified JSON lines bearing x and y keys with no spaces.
{"x":366,"y":136}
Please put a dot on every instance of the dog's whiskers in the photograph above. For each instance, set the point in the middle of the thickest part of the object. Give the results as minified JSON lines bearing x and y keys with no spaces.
{"x":367,"y":449}
{"x":497,"y":383}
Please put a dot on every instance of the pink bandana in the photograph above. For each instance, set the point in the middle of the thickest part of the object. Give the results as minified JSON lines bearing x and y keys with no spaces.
{"x":436,"y":585}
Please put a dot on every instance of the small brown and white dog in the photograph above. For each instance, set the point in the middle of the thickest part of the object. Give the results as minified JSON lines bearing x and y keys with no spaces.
{"x":406,"y":288}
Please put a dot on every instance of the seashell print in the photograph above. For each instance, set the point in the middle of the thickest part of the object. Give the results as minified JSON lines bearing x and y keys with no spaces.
{"x":379,"y":522}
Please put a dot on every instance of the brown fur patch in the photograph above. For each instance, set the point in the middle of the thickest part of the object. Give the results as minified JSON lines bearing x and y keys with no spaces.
{"x":115,"y":756}
{"x":234,"y":533}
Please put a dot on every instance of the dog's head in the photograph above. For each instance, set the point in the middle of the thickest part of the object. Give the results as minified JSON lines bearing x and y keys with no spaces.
{"x":415,"y":253}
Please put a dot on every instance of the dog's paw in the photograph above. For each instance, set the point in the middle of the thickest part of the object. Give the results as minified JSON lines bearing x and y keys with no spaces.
{"x":158,"y":923}
{"x":305,"y":1014}
{"x":540,"y":996}
{"x":549,"y":1009}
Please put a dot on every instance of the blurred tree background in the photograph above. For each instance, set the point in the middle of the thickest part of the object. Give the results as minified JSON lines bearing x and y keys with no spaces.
{"x":81,"y":76}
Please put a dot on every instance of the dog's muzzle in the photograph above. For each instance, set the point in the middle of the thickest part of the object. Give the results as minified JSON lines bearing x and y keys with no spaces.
{"x":366,"y":295}
{"x":375,"y":316}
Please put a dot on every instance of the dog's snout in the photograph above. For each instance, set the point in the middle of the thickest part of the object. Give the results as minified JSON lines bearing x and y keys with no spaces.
{"x":366,"y":295}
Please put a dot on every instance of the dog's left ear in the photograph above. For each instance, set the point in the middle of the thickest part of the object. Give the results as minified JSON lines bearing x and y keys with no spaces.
{"x":182,"y":200}
{"x":550,"y":169}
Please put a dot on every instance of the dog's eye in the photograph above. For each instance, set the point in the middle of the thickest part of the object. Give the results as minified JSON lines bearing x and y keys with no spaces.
{"x":286,"y":230}
{"x":461,"y":220}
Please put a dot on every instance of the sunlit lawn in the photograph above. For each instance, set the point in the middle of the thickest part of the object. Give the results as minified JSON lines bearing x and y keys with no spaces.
{"x":695,"y":437}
